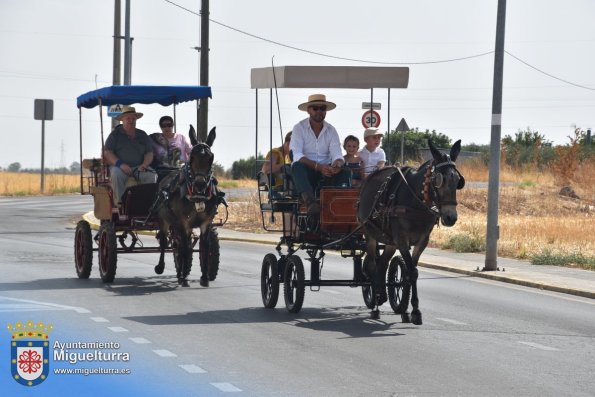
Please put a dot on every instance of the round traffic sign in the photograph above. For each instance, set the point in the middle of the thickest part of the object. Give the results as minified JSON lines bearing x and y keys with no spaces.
{"x":371,"y":118}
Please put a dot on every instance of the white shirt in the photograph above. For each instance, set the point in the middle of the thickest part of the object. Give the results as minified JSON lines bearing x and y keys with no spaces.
{"x":370,"y":159}
{"x":324,"y":150}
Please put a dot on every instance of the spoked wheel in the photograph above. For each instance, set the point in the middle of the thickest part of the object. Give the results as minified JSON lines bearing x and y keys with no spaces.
{"x":211,"y":254}
{"x":83,"y":249}
{"x":269,"y":281}
{"x":398,"y":294}
{"x":107,"y":252}
{"x":367,"y":290}
{"x":294,"y":284}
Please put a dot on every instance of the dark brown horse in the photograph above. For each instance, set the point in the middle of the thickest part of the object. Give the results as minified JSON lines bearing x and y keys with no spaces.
{"x":188,"y":199}
{"x":399,"y":208}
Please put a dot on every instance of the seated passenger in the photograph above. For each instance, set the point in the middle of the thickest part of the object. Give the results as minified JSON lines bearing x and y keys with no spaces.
{"x":352,"y":159}
{"x":372,"y":155}
{"x":280,"y":164}
{"x":169,"y":149}
{"x":129,"y":152}
{"x":317,"y":155}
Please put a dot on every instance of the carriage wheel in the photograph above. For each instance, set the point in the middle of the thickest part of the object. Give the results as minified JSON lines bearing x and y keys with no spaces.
{"x":293,"y":284}
{"x":269,"y":281}
{"x":367,"y":290}
{"x":83,"y":249}
{"x":212,"y":254}
{"x":107,"y":252}
{"x":398,"y":295}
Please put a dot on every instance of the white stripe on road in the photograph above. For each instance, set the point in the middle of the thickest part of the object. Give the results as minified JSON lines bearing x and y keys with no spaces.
{"x":140,"y":341}
{"x":226,"y":387}
{"x":100,"y":319}
{"x":165,"y":353}
{"x":192,"y":369}
{"x":117,"y":329}
{"x":448,"y":320}
{"x":540,"y":347}
{"x":48,"y":305}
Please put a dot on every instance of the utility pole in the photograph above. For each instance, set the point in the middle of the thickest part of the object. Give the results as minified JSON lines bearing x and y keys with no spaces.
{"x":127,"y":46}
{"x":117,"y":50}
{"x":493,"y":229}
{"x":203,"y":121}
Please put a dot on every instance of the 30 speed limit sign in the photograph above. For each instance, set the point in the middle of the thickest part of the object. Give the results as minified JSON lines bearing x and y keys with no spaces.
{"x":371,"y":118}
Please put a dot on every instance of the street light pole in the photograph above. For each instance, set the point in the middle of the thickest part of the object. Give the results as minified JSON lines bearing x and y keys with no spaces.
{"x":493,"y":230}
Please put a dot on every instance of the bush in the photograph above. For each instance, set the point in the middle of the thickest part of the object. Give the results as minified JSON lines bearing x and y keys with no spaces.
{"x":464,"y":242}
{"x":547,"y":257}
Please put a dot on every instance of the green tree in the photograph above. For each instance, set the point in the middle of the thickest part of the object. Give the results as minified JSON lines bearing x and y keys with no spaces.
{"x":244,"y":168}
{"x":14,"y":167}
{"x":414,"y":141}
{"x":527,"y":147}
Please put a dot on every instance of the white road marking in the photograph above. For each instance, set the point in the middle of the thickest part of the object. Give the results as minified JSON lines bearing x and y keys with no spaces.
{"x":117,"y":329}
{"x":140,"y":341}
{"x":538,"y":346}
{"x":100,"y":319}
{"x":165,"y":353}
{"x":24,"y":307}
{"x":48,"y":305}
{"x":448,"y":320}
{"x":332,"y":291}
{"x":192,"y":369}
{"x":226,"y":387}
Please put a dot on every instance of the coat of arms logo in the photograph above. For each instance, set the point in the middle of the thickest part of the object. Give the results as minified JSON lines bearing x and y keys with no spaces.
{"x":29,"y":347}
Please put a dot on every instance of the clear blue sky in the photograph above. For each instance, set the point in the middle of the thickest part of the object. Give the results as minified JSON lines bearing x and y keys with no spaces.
{"x":58,"y":49}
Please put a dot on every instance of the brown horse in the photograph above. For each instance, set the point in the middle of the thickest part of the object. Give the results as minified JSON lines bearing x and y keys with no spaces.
{"x":399,"y":207}
{"x":188,"y":199}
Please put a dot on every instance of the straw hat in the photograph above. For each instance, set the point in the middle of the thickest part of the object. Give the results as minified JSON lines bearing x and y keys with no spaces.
{"x":317,"y":100}
{"x":129,"y":110}
{"x":371,"y":132}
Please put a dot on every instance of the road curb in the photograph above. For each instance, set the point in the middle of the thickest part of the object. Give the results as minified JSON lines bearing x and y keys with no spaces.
{"x":510,"y":280}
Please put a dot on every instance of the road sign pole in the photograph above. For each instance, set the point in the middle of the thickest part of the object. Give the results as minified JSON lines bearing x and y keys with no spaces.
{"x":42,"y":155}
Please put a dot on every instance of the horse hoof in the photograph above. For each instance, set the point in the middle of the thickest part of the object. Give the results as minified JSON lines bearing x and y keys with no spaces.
{"x":406,"y":318}
{"x":416,"y":318}
{"x":183,"y":282}
{"x":375,"y":314}
{"x":204,"y":282}
{"x":159,"y":269}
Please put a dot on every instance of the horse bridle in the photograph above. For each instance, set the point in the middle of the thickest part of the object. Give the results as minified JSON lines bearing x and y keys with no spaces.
{"x":434,"y":180}
{"x":193,"y":192}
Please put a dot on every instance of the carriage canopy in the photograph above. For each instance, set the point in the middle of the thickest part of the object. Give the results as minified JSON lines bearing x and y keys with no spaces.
{"x":146,"y":94}
{"x":330,"y":77}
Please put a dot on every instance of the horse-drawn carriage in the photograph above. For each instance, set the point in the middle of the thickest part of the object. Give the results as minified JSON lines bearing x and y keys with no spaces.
{"x":387,"y":212}
{"x":183,"y":198}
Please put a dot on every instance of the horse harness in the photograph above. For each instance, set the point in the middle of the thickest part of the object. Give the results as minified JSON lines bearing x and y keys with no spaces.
{"x":385,"y":206}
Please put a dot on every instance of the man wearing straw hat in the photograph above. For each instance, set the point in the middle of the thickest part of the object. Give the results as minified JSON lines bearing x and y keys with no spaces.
{"x":129,"y":152}
{"x":317,"y":154}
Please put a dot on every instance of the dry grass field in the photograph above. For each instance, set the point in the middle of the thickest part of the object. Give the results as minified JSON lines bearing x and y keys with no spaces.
{"x":25,"y":184}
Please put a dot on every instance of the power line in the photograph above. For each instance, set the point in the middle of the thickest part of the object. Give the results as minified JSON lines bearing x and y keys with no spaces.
{"x":380,"y":62}
{"x":548,"y":74}
{"x":328,"y":55}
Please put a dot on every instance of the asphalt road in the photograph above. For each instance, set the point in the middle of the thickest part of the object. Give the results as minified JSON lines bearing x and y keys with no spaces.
{"x":479,"y":337}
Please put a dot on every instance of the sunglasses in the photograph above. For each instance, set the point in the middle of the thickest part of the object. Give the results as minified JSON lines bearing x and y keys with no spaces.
{"x":318,"y":108}
{"x":167,"y":125}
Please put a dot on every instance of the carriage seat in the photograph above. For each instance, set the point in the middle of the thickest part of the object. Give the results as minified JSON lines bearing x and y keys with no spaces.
{"x":267,"y":182}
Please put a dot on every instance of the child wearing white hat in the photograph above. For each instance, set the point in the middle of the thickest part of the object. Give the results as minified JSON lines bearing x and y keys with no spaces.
{"x":372,"y":155}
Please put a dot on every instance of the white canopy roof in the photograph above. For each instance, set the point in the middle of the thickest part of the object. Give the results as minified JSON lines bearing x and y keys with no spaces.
{"x":330,"y":77}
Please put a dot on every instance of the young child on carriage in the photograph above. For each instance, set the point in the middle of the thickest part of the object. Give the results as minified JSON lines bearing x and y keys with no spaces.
{"x":372,"y":155}
{"x":352,"y":159}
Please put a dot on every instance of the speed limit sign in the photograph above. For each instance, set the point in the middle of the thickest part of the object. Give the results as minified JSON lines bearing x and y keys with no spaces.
{"x":371,"y":118}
